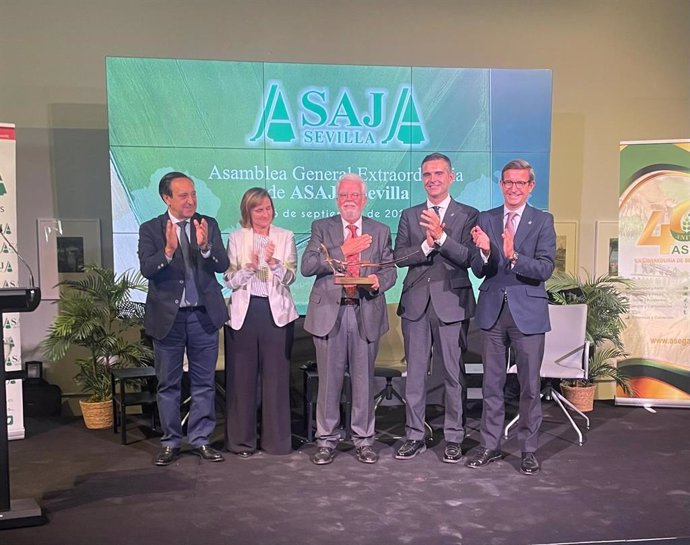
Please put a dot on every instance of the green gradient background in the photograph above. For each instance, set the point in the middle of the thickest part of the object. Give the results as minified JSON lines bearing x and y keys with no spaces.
{"x":190,"y":116}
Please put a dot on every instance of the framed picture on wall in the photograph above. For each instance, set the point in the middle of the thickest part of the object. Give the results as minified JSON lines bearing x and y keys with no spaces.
{"x":64,"y":247}
{"x":606,"y":257}
{"x":566,"y":246}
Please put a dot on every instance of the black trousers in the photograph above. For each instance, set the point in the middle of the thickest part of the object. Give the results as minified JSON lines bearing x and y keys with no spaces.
{"x":257,"y":373}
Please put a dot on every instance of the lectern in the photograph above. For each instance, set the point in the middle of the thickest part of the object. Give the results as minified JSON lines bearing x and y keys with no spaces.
{"x":13,"y":513}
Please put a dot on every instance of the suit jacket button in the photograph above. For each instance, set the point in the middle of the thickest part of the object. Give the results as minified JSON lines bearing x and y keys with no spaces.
{"x":181,"y":281}
{"x":177,"y":302}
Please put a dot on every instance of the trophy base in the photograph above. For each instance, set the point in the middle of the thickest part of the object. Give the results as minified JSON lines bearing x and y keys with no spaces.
{"x":354,"y":281}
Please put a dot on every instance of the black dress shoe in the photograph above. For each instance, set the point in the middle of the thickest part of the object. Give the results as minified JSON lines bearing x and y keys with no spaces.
{"x":323,"y":456}
{"x":208,"y":453}
{"x":166,"y":456}
{"x":452,"y":453}
{"x":244,"y":453}
{"x":366,"y":455}
{"x":530,"y":464}
{"x":484,"y":457}
{"x":410,"y":448}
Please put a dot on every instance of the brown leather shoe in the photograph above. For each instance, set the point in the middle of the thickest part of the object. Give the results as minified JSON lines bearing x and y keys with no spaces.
{"x":208,"y":453}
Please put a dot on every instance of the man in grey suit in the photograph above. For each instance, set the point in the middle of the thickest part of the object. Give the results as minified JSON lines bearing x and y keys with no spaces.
{"x":180,"y":253}
{"x":436,"y":303}
{"x":517,"y":246}
{"x":347,"y":321}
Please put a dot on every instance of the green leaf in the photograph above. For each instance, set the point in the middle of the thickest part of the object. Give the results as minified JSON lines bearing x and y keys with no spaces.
{"x":607,"y":303}
{"x":97,"y":313}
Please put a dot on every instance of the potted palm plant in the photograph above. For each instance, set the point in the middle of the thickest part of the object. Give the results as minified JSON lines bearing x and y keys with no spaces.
{"x":606,"y":306}
{"x":97,"y":313}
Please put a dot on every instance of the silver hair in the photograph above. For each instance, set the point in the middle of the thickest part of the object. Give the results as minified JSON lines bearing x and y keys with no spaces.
{"x":350,"y":177}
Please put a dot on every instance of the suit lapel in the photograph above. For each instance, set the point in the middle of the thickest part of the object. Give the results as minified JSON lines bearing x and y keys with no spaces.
{"x":336,"y":231}
{"x":163,"y":218}
{"x":421,"y":233}
{"x":246,"y":246}
{"x":452,"y":215}
{"x":193,"y":247}
{"x":366,"y":229}
{"x":164,"y":225}
{"x":192,"y":233}
{"x":497,"y":225}
{"x":525,"y":226}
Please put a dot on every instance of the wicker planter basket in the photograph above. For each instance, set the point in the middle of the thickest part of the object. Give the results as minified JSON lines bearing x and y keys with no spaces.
{"x":97,"y":416}
{"x":580,"y":396}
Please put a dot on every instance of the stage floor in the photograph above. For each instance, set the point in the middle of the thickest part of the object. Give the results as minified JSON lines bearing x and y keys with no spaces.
{"x":630,"y":480}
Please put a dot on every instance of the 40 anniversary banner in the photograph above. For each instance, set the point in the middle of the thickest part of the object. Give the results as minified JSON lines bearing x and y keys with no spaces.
{"x":654,"y":251}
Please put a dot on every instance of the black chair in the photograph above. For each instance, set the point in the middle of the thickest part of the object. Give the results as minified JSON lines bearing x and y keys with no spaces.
{"x":388,"y":392}
{"x":390,"y":359}
{"x":310,"y":377}
{"x":122,"y":398}
{"x":390,"y":362}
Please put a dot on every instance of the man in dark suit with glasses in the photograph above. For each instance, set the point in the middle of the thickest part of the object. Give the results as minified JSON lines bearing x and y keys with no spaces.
{"x":517,"y":250}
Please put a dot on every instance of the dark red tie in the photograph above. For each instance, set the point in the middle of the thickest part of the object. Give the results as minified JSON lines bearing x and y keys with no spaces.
{"x":352,"y":267}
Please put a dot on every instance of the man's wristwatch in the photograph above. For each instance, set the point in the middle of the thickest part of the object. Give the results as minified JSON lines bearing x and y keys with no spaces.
{"x":513,"y":260}
{"x":206,"y":249}
{"x":437,"y":241}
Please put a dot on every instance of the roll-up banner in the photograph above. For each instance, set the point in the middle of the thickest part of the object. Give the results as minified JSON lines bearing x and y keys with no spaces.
{"x":654,"y":251}
{"x":9,"y":276}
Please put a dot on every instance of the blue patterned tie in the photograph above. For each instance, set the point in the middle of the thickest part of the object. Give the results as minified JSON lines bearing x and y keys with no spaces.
{"x":191,"y":293}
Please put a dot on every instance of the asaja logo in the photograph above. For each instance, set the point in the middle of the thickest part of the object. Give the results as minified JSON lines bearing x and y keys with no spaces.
{"x":9,"y":323}
{"x":11,"y":360}
{"x":3,"y":189}
{"x":668,"y":236}
{"x":680,"y":222}
{"x":317,"y":121}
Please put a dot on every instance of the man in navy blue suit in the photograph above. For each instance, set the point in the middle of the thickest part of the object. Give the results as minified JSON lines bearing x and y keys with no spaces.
{"x":180,"y":252}
{"x":517,"y":249}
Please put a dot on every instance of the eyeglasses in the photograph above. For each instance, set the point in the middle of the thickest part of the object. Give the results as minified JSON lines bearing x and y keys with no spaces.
{"x":349,"y":195}
{"x":519,"y":184}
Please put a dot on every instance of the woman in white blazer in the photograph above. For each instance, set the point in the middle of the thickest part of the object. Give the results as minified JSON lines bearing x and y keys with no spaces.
{"x":259,"y":334}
